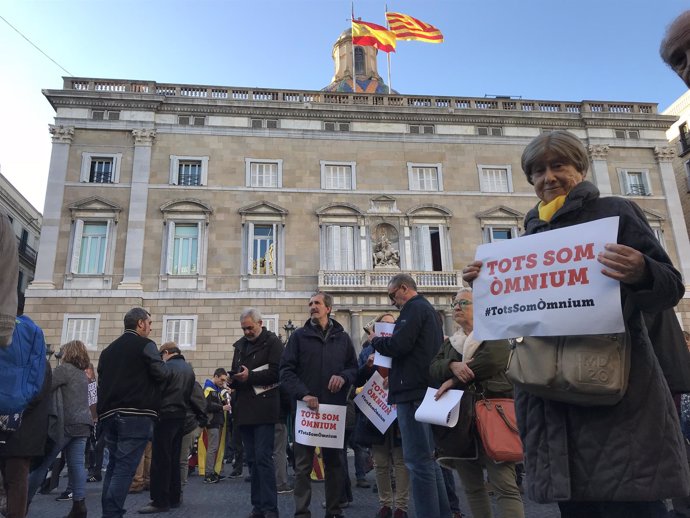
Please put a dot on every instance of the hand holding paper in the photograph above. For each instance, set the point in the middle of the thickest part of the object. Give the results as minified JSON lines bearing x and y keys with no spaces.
{"x":443,"y":412}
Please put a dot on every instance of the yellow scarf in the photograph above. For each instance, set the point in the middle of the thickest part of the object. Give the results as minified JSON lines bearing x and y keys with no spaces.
{"x":547,"y":210}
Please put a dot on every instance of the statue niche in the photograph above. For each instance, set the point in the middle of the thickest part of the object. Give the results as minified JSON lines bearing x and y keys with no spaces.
{"x":385,"y":247}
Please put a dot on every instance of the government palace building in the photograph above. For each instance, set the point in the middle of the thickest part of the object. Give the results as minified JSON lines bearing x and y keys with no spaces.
{"x":195,"y":201}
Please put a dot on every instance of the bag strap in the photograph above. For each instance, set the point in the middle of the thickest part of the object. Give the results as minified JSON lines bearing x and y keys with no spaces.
{"x":502,"y":413}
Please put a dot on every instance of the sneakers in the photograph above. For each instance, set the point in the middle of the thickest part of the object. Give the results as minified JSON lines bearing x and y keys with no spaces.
{"x":284,"y":489}
{"x":399,"y":513}
{"x":211,"y":479}
{"x":94,"y":478}
{"x":64,"y":496}
{"x":385,"y":512}
{"x":236,"y":473}
{"x":363,"y":483}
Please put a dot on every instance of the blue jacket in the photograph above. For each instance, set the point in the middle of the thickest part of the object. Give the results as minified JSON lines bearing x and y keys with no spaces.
{"x":416,"y":339}
{"x":311,"y":358}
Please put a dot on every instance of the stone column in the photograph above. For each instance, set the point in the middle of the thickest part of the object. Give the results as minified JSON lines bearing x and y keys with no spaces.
{"x":664,"y":156}
{"x":52,"y":210}
{"x":449,"y":325}
{"x":356,"y":329}
{"x":138,"y":200}
{"x":600,"y":169}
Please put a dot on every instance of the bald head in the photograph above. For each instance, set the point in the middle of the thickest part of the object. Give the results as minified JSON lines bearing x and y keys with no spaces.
{"x":675,"y":47}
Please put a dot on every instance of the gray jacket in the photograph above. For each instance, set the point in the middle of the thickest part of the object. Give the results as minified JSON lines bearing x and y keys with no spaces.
{"x":73,"y":386}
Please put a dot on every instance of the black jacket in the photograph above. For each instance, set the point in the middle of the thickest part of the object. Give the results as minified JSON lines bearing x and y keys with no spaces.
{"x":631,"y":451}
{"x":214,"y":405}
{"x":196,"y":413}
{"x":177,"y":391}
{"x":416,"y":339}
{"x":310,"y":359}
{"x":131,"y":375}
{"x":251,"y":408}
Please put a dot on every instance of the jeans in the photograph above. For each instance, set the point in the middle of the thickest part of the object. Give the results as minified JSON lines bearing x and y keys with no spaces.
{"x":280,"y":454}
{"x":73,"y":448}
{"x":428,"y":488}
{"x":449,"y":481}
{"x":258,"y":447}
{"x":166,"y":488}
{"x":126,"y":438}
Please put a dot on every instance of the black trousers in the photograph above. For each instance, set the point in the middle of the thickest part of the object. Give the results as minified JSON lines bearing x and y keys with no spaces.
{"x":166,"y":488}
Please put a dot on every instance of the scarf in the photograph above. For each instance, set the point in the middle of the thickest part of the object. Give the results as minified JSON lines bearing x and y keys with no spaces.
{"x":470,"y":347}
{"x":547,"y":210}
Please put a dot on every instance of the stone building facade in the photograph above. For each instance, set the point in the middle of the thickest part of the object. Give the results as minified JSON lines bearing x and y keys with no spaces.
{"x":197,"y":201}
{"x":26,"y":222}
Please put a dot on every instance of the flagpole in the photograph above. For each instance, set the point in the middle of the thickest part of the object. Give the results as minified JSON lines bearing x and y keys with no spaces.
{"x":352,"y":40}
{"x":388,"y":54}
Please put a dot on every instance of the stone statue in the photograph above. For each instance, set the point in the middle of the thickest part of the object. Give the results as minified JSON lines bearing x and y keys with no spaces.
{"x":384,"y":254}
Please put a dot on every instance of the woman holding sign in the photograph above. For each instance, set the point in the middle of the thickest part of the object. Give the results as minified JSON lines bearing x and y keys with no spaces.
{"x":603,"y":461}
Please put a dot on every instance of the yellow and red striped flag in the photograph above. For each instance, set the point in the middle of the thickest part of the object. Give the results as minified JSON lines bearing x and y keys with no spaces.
{"x":407,"y":28}
{"x":368,"y":34}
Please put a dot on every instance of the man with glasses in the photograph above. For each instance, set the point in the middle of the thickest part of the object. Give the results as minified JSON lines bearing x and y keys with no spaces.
{"x":416,"y":339}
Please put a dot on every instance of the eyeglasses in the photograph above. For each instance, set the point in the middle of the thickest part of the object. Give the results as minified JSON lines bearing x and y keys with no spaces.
{"x":462,"y":303}
{"x":391,"y":294}
{"x":247,"y":328}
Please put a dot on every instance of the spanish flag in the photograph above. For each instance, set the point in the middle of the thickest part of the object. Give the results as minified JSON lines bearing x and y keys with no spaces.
{"x":407,"y":28}
{"x":368,"y":34}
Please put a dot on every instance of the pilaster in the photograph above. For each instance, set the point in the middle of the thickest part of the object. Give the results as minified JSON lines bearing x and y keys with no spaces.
{"x":600,"y":169}
{"x":57,"y":174}
{"x":138,"y":201}
{"x":665,"y":156}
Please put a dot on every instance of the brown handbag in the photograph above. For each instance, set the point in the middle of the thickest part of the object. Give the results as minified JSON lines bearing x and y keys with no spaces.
{"x":497,"y":427}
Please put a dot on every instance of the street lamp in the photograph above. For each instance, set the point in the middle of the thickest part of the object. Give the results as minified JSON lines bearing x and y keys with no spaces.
{"x":289,"y":328}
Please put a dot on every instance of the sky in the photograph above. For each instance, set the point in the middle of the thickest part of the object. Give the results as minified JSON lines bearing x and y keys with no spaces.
{"x":536,"y":49}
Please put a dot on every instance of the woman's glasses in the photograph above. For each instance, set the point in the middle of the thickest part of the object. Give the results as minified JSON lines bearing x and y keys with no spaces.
{"x":462,"y":303}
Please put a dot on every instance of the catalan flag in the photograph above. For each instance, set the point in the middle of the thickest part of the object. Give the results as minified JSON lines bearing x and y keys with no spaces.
{"x":407,"y":28}
{"x":368,"y":34}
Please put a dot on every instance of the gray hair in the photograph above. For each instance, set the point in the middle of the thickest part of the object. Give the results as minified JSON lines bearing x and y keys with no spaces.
{"x":403,"y":278}
{"x":327,"y":298}
{"x":559,"y":144}
{"x":252,"y":313}
{"x":133,"y":316}
{"x":463,"y":289}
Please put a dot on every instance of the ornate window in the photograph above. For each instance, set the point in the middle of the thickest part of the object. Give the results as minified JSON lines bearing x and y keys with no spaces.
{"x":185,"y":244}
{"x":92,"y":243}
{"x":338,"y":175}
{"x":263,"y":246}
{"x":263,"y":173}
{"x":635,"y":182}
{"x":342,"y":237}
{"x":429,"y":238}
{"x":82,"y":327}
{"x":188,"y":170}
{"x":180,"y":329}
{"x":425,"y":177}
{"x":495,"y":178}
{"x":100,"y":167}
{"x":500,"y":223}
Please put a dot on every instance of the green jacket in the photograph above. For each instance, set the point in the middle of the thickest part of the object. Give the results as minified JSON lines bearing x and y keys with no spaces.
{"x":488,"y":364}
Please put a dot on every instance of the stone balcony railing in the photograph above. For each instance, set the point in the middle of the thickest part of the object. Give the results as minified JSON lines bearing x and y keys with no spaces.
{"x":367,"y":280}
{"x":446,"y":103}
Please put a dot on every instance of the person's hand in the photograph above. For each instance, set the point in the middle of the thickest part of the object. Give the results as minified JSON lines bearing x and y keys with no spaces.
{"x":385,"y":382}
{"x":227,"y":407}
{"x":461,"y":371}
{"x":623,"y":263}
{"x":336,"y":383}
{"x":312,"y":402}
{"x":370,"y":361}
{"x":241,"y":376}
{"x":447,"y":385}
{"x":471,"y":272}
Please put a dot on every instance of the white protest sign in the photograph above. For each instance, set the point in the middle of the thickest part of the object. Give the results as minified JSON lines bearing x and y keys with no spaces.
{"x":444,"y":412}
{"x":547,"y":284}
{"x":383,"y":329}
{"x":372,"y":401}
{"x":325,"y":428}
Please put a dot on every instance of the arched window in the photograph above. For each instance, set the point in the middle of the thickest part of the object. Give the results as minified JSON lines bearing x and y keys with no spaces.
{"x":359,"y":60}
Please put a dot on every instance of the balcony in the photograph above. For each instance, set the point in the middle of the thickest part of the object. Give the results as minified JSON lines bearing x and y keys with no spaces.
{"x":372,"y":280}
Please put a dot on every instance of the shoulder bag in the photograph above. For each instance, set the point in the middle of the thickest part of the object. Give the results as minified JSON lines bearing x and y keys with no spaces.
{"x":497,"y":427}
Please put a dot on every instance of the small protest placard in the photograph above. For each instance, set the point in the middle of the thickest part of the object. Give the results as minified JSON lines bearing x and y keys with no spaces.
{"x":325,"y":428}
{"x":444,"y":412}
{"x":383,"y":329}
{"x":547,"y":284}
{"x":372,"y":401}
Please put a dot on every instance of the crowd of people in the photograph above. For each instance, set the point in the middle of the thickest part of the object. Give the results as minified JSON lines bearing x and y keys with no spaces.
{"x":147,"y":411}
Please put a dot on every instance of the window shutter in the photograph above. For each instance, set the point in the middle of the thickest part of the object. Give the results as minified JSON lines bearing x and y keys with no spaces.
{"x":482,"y":131}
{"x":76,"y":247}
{"x":425,"y":248}
{"x":170,"y":248}
{"x":414,"y":130}
{"x":85,"y":167}
{"x":329,"y":126}
{"x":272,"y":124}
{"x":620,"y":133}
{"x":106,"y":250}
{"x":173,"y":169}
{"x":347,"y":248}
{"x":250,"y":248}
{"x":98,"y":115}
{"x":183,"y":120}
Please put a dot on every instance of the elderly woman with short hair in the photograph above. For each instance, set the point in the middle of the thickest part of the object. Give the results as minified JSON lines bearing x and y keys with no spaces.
{"x":73,"y":424}
{"x":608,"y":461}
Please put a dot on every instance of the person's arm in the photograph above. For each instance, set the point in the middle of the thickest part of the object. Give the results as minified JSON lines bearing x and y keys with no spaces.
{"x":9,"y":266}
{"x":59,"y":377}
{"x":289,"y":366}
{"x":439,"y":370}
{"x":272,"y":374}
{"x":405,"y":334}
{"x":212,"y":404}
{"x":490,"y":359}
{"x":156,"y":367}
